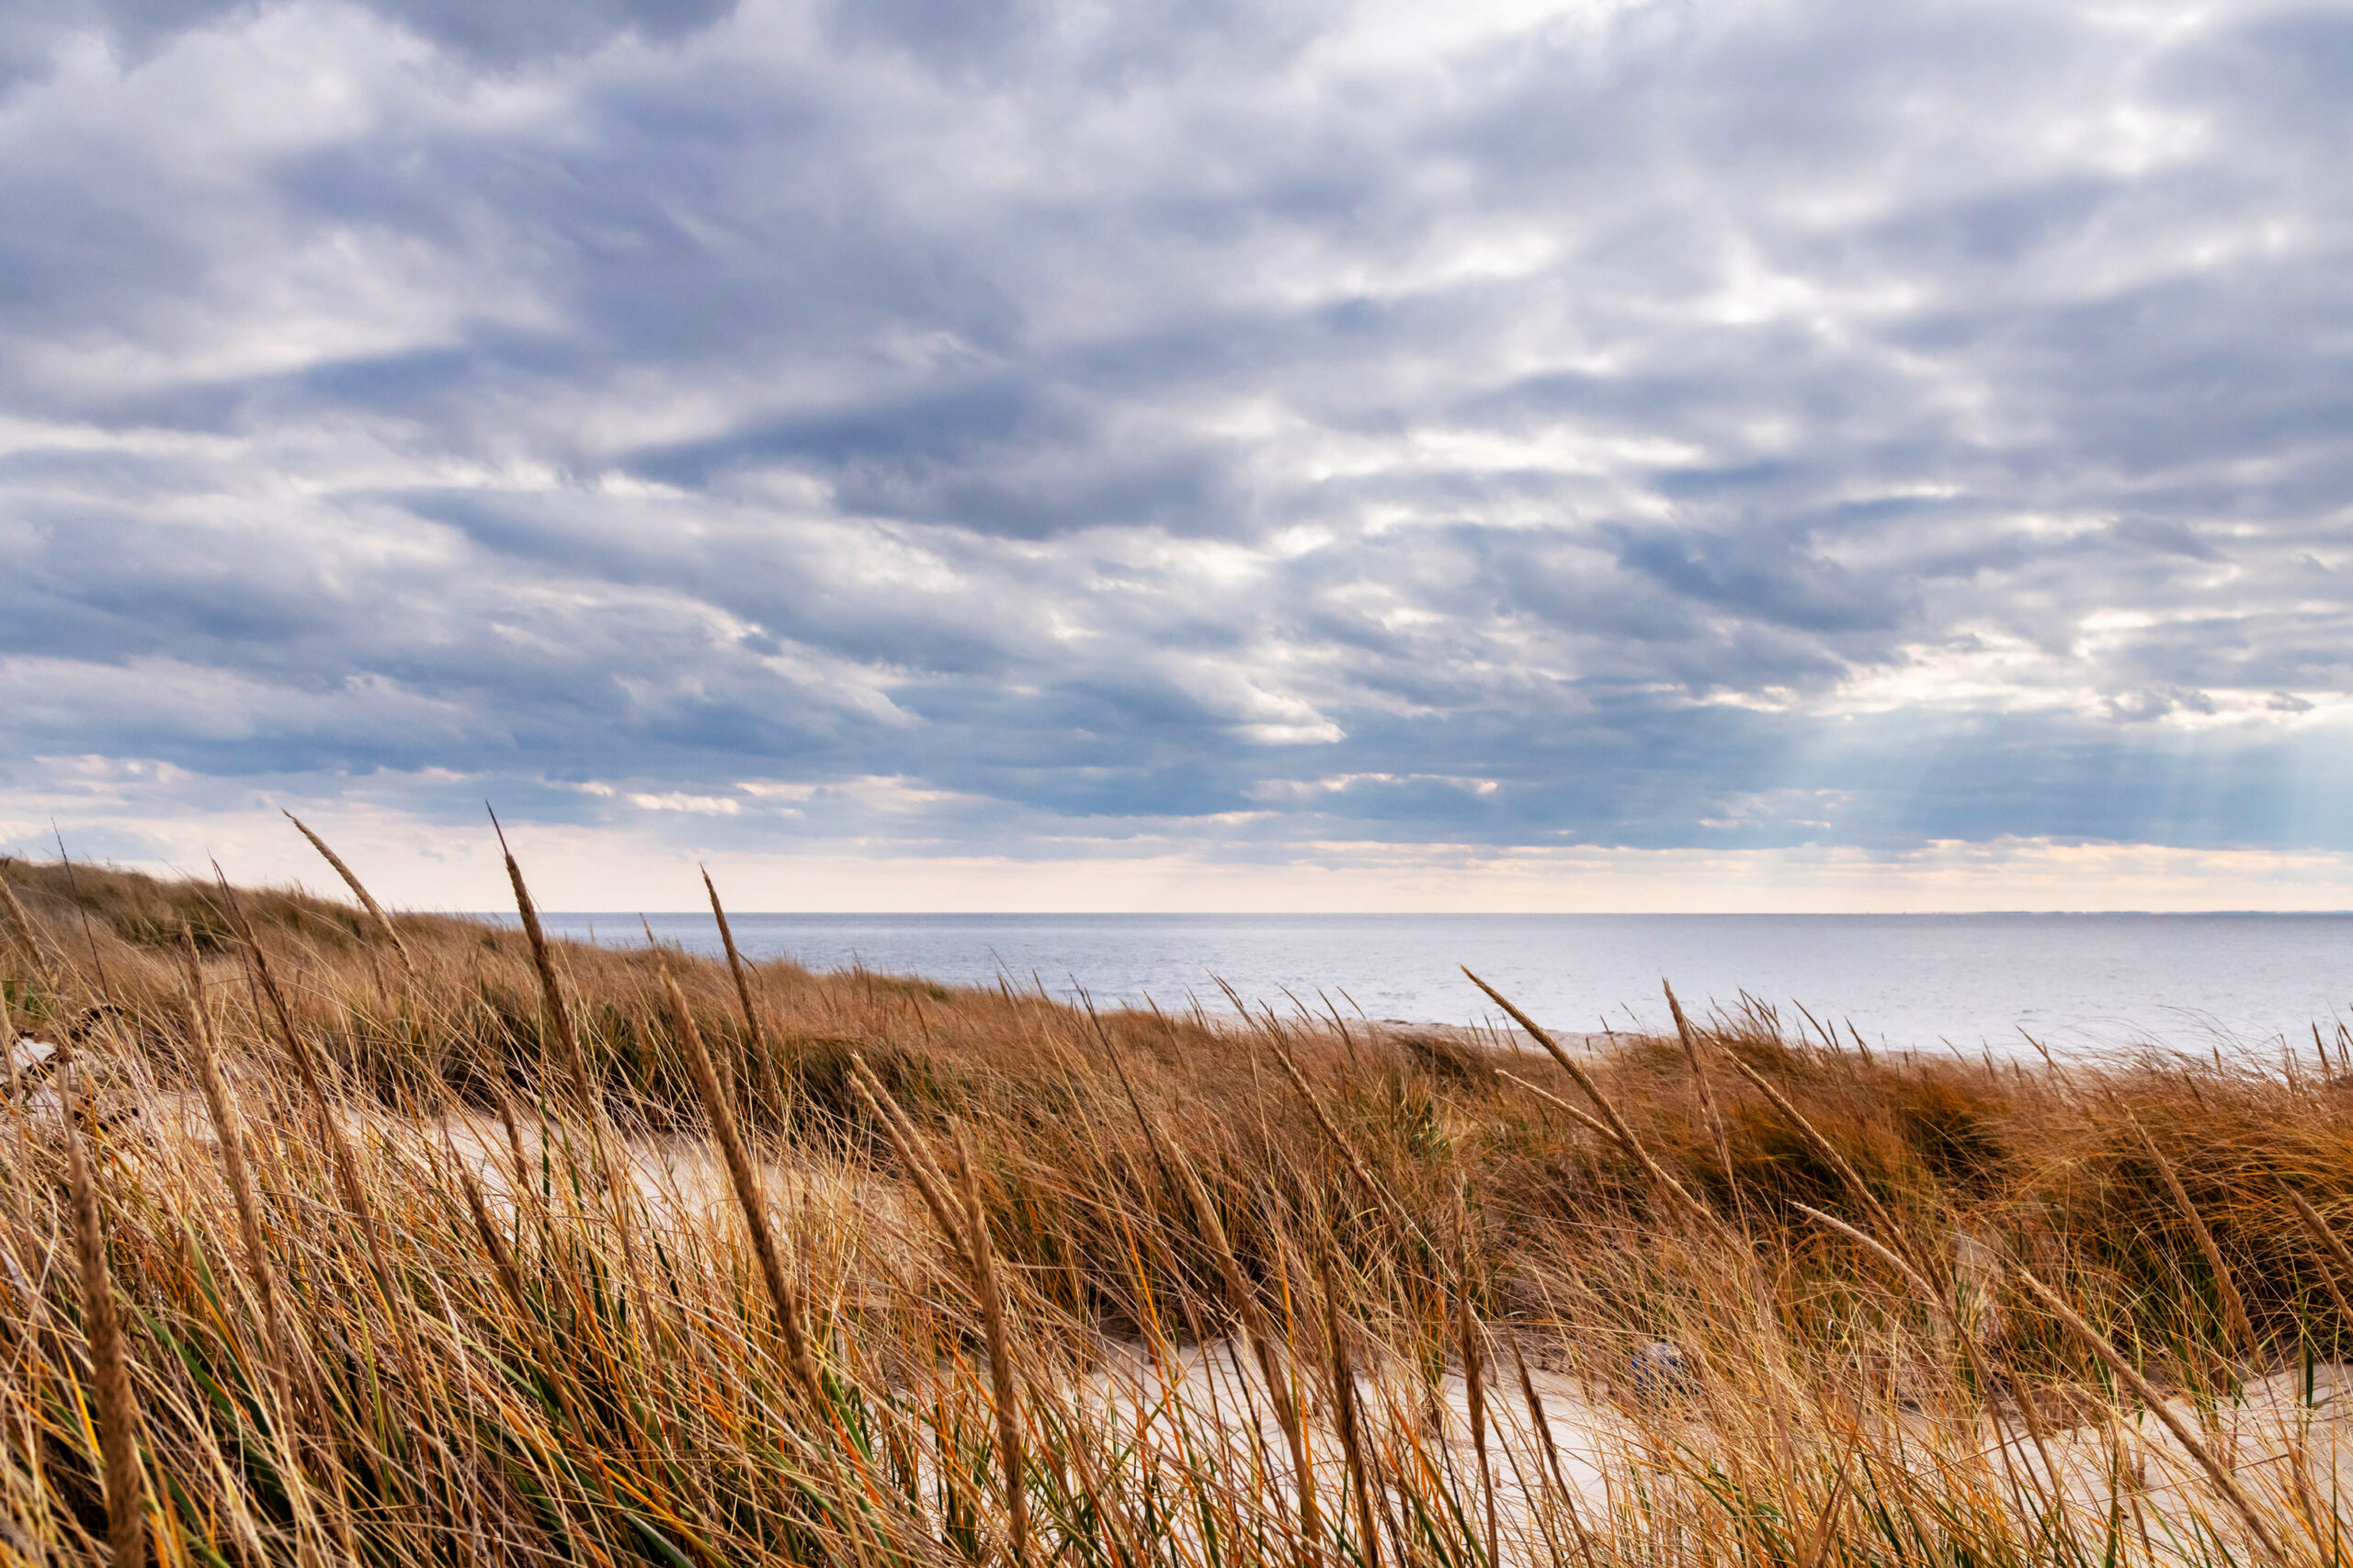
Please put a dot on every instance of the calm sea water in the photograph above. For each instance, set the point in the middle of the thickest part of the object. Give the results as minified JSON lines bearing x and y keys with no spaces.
{"x":2076,"y":981}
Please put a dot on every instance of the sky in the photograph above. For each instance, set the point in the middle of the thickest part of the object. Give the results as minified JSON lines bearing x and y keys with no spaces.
{"x":1002,"y":454}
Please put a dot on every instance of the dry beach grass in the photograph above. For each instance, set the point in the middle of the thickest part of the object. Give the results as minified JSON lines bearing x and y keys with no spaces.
{"x":349,"y":1237}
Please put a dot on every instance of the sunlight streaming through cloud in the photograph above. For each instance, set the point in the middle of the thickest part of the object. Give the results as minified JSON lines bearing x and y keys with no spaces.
{"x":1268,"y":439}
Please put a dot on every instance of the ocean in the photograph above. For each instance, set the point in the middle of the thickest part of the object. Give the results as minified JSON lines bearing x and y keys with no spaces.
{"x":2077,"y":982}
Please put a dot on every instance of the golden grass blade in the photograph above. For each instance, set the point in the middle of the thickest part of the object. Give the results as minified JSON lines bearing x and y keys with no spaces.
{"x":1339,"y":1141}
{"x":1590,"y":1123}
{"x":763,"y":1060}
{"x":784,"y":1297}
{"x":1917,"y":1280}
{"x":1826,"y":1526}
{"x":102,"y":1324}
{"x":912,"y":1154}
{"x":510,"y":1284}
{"x":1253,"y":1324}
{"x":1822,"y":1146}
{"x":2331,"y":1247}
{"x":1474,"y":1383}
{"x":1543,"y":1426}
{"x":347,"y":1165}
{"x":1685,"y":1033}
{"x":2236,"y":1322}
{"x":791,"y":1313}
{"x":1345,"y":1414}
{"x":228,"y":1137}
{"x":1005,"y":1385}
{"x":575,"y":1062}
{"x":2130,"y":1376}
{"x":358,"y":891}
{"x":1601,"y":1102}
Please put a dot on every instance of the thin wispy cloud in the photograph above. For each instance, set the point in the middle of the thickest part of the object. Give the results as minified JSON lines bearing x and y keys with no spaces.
{"x":1262,"y":434}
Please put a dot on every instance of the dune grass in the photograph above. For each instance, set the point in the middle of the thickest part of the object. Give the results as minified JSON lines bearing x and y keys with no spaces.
{"x":350,"y":1237}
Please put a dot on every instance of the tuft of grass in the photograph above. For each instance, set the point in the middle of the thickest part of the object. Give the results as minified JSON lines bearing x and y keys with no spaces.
{"x":372,"y":1237}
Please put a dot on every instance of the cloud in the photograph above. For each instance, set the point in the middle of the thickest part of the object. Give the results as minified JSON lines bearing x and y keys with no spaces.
{"x":1249,"y":428}
{"x":504,"y":35}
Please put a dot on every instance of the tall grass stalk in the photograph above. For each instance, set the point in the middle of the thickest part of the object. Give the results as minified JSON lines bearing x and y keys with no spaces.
{"x":1004,"y":1384}
{"x":755,"y":1038}
{"x":126,"y":1504}
{"x":358,"y":891}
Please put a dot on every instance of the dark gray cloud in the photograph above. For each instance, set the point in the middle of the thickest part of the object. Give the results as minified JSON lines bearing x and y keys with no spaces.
{"x":1017,"y":424}
{"x":509,"y":35}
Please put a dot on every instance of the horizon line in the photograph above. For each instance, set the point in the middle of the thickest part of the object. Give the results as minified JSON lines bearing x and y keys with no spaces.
{"x":1399,"y":914}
